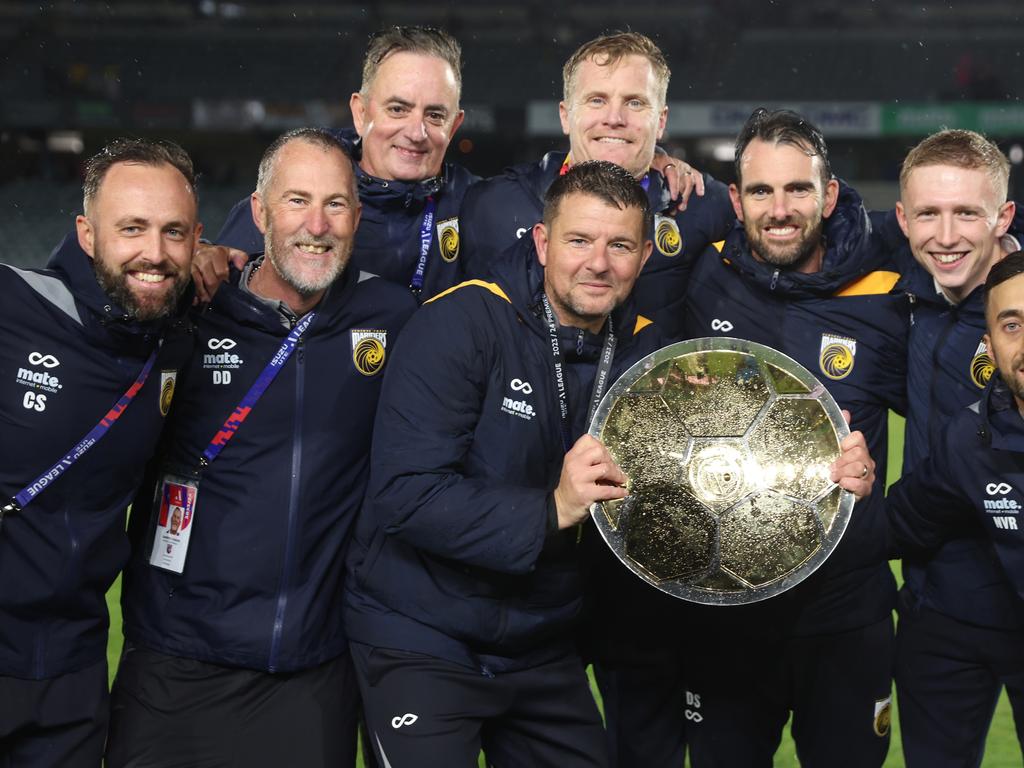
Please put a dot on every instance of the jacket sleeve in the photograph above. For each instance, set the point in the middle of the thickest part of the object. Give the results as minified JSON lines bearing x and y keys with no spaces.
{"x":926,"y":507}
{"x":239,"y":231}
{"x":707,"y":219}
{"x":475,"y":222}
{"x":420,"y":488}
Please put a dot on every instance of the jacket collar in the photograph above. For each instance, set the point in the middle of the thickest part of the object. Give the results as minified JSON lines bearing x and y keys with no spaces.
{"x":849,"y":254}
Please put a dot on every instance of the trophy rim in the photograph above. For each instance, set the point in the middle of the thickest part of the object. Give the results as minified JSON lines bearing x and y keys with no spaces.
{"x":615,"y":539}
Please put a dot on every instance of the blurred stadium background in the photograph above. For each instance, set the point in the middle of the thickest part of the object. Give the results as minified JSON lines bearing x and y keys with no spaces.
{"x":224,"y":78}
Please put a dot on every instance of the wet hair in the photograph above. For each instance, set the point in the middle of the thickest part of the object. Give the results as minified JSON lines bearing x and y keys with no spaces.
{"x":139,"y":152}
{"x":318,"y":137}
{"x":607,"y":51}
{"x":427,"y":41}
{"x":606,"y":181}
{"x":1003,"y":270}
{"x":783,"y":126}
{"x":961,"y":149}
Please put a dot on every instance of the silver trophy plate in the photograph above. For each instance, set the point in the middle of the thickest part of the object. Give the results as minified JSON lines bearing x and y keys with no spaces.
{"x":727,"y":446}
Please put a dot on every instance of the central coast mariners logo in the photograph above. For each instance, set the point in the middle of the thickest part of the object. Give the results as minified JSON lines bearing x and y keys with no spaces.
{"x":982,"y":366}
{"x":666,"y":235}
{"x":368,"y":351}
{"x":448,"y":239}
{"x":167,"y":380}
{"x":837,"y":356}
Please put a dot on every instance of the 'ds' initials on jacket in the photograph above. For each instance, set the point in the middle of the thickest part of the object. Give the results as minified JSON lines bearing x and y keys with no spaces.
{"x":390,"y":226}
{"x":262,"y":581}
{"x":68,"y":354}
{"x":499,"y":211}
{"x":455,"y":553}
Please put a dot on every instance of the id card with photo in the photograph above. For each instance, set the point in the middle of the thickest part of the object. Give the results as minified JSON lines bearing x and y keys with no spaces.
{"x":174,"y":507}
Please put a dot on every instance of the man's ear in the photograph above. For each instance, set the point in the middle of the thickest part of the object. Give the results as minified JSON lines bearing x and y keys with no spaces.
{"x":86,"y":235}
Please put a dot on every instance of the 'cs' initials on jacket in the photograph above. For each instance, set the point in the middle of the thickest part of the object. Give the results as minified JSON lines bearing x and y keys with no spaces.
{"x":68,"y":355}
{"x":500,"y":210}
{"x":388,"y":237}
{"x":455,"y":553}
{"x":262,"y":581}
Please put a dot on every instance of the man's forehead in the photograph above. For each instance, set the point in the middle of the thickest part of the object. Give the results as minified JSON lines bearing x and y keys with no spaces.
{"x":775,"y":158}
{"x":949,"y":180}
{"x":400,"y":67}
{"x":599,"y":67}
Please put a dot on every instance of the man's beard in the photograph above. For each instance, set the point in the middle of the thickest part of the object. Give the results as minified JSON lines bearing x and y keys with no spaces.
{"x":279,"y":254}
{"x":1010,"y":378}
{"x":115,"y":283}
{"x":791,"y":256}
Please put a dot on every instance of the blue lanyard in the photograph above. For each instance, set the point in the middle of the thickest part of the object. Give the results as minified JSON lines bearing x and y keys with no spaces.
{"x":604,"y":368}
{"x":244,"y":408}
{"x":48,"y":478}
{"x":426,"y":238}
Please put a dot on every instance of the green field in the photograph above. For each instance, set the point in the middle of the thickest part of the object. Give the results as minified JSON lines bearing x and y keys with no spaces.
{"x":1002,"y":750}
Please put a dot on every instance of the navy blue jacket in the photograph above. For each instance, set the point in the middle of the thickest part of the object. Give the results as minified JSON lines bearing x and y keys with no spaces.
{"x":388,"y":238}
{"x":456,"y":552}
{"x":69,"y":354}
{"x":500,"y":210}
{"x":262,"y":582}
{"x":849,"y":303}
{"x":971,"y":487}
{"x":947,"y":368}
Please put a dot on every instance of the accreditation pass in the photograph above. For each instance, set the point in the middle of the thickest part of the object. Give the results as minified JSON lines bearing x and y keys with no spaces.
{"x":175,"y":502}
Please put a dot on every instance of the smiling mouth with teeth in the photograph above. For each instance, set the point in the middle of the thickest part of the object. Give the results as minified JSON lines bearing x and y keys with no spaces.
{"x":315,"y":250}
{"x":149,"y":277}
{"x":948,"y":258}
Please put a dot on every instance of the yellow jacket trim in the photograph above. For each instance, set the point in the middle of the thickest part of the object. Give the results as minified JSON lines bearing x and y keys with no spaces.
{"x":492,"y":287}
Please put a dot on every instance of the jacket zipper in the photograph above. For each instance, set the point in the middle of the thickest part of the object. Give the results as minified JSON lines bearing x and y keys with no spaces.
{"x":293,"y":503}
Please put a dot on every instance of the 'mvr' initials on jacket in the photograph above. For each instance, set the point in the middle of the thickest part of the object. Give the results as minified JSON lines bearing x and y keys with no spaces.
{"x":455,"y":553}
{"x":970,"y":484}
{"x":262,"y":581}
{"x":68,"y":354}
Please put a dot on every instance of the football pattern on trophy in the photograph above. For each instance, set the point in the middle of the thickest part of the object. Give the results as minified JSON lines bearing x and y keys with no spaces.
{"x":727,"y":445}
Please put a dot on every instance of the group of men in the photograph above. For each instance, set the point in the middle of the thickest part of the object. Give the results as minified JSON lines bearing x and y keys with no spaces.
{"x":281,"y":569}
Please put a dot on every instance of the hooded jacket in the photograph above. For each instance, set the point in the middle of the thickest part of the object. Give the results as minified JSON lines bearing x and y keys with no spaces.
{"x":948,"y":367}
{"x":457,"y":553}
{"x":388,"y":240}
{"x":970,"y":487}
{"x":847,"y":308}
{"x":262,"y":580}
{"x":500,"y":210}
{"x":69,"y":354}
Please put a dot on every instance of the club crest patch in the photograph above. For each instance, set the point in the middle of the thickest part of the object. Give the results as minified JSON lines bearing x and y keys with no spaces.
{"x":883,"y":716}
{"x":837,"y":356}
{"x":982,"y":366}
{"x":167,"y":381}
{"x":666,"y":236}
{"x":448,"y":239}
{"x":368,"y":351}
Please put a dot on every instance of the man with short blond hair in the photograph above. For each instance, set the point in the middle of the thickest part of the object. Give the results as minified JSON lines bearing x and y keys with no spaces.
{"x":954,"y":212}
